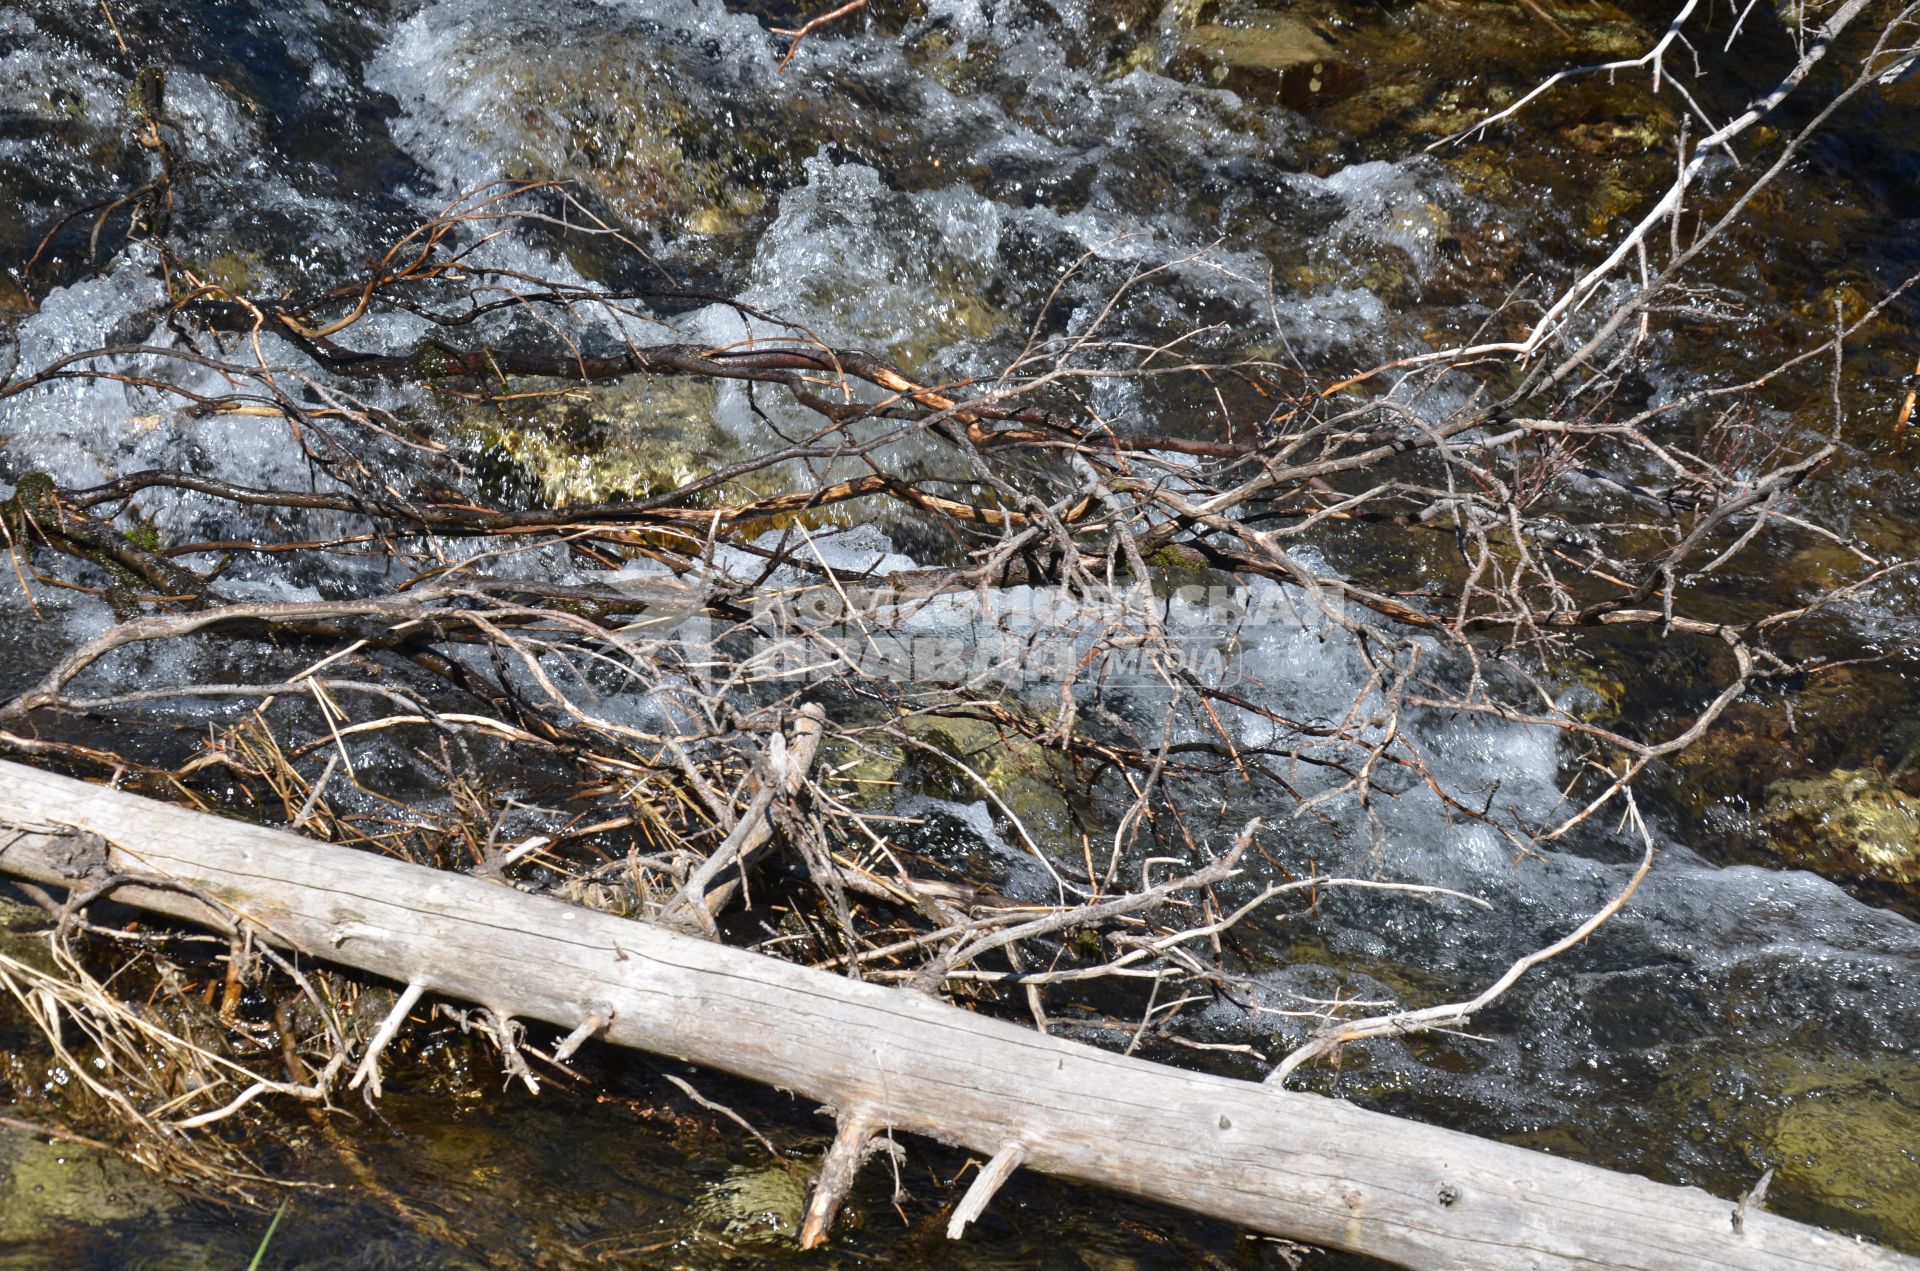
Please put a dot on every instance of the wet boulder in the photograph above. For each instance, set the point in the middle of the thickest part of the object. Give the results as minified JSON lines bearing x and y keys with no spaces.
{"x":607,"y":120}
{"x":50,"y":1190}
{"x":615,"y":109}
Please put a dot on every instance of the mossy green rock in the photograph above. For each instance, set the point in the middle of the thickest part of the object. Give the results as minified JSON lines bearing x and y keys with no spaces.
{"x":236,"y":273}
{"x":606,"y":116}
{"x":1851,"y":822}
{"x":21,"y":938}
{"x":1026,"y":777}
{"x":863,"y":772}
{"x":1844,"y":1140}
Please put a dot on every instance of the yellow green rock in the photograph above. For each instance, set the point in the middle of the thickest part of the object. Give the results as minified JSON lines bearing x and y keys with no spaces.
{"x":1853,"y":822}
{"x":605,"y":117}
{"x":864,"y":771}
{"x":46,"y":1186}
{"x":592,"y":445}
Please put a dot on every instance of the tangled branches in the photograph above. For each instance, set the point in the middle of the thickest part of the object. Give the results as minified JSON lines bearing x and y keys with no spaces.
{"x":1002,"y":766}
{"x":168,"y":1077}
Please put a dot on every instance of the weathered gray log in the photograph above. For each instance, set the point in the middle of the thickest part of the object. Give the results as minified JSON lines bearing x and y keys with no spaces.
{"x":1288,"y":1164}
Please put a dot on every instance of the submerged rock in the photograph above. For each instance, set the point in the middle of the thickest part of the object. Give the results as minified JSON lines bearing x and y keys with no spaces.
{"x":870,"y":768}
{"x":625,"y":440}
{"x":21,"y":938}
{"x":761,"y":1204}
{"x":1839,"y":1132}
{"x":1848,"y":1142}
{"x":1267,"y":57}
{"x":588,"y":102}
{"x":605,"y":119}
{"x":1850,"y":822}
{"x":47,"y":1186}
{"x":863,"y":773}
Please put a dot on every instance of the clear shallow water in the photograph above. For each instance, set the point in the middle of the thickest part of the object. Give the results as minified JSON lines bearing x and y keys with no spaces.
{"x":916,"y":182}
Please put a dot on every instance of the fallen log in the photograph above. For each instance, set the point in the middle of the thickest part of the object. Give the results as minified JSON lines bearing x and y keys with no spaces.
{"x":888,"y":1061}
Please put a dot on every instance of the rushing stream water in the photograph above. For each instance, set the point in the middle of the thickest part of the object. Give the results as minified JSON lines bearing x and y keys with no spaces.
{"x":915,"y":182}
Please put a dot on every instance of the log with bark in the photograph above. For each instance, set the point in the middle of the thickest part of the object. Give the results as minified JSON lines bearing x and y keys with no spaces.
{"x":891,"y":1061}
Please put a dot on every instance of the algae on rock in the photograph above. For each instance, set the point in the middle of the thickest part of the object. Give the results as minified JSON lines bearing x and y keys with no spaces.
{"x":1019,"y":773}
{"x":45,"y":1186}
{"x":607,"y":116}
{"x":863,"y":772}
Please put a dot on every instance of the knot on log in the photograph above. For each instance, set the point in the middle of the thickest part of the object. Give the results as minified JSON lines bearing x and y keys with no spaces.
{"x":79,"y":853}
